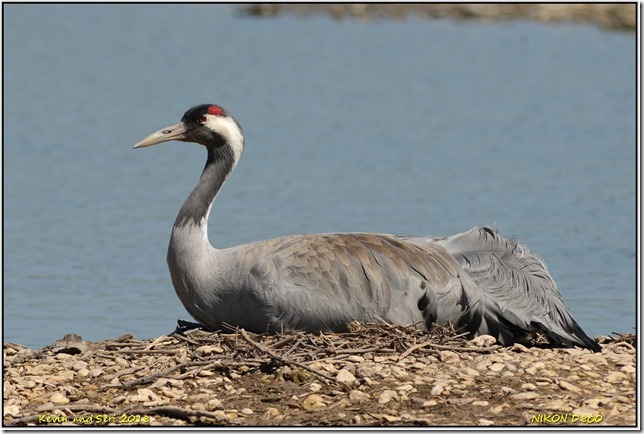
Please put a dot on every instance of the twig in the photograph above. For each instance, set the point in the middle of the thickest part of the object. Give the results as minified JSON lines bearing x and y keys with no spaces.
{"x":154,"y":342}
{"x":355,"y":350}
{"x":171,"y":352}
{"x":284,"y":360}
{"x":473,"y":349}
{"x":124,"y":344}
{"x":623,"y":344}
{"x":328,"y":359}
{"x":185,"y":339}
{"x":125,"y":372}
{"x":294,"y":347}
{"x":284,"y":341}
{"x":327,"y":341}
{"x":176,"y":412}
{"x":460,"y":335}
{"x":414,"y":348}
{"x":150,"y":378}
{"x":72,"y":407}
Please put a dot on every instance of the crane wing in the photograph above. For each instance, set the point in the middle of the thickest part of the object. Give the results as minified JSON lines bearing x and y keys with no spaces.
{"x":514,"y":284}
{"x":326,"y":281}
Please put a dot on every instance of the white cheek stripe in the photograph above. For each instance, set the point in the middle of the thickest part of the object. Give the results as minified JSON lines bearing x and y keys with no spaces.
{"x":228,"y":129}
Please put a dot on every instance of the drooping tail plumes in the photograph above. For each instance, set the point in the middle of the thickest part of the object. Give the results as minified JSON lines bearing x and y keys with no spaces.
{"x":510,"y":290}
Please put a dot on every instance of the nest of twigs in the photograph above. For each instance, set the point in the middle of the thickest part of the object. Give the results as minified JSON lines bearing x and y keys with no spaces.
{"x":375,"y":373}
{"x":266,"y":352}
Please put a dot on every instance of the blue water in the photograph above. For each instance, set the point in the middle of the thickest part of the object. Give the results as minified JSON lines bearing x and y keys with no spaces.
{"x":408,"y":127}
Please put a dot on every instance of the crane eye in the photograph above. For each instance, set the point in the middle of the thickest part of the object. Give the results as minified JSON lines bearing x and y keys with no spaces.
{"x":203,"y":119}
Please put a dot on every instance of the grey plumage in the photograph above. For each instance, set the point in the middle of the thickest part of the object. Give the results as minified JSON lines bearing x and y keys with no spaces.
{"x":477,"y":280}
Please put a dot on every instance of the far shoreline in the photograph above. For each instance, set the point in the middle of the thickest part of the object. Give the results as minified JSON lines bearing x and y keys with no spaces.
{"x":612,"y":16}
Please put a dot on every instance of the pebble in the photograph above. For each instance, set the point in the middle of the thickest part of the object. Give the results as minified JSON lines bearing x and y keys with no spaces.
{"x":628,"y":369}
{"x":406,"y":388}
{"x":207,"y":350}
{"x":449,"y":357}
{"x":344,"y":376}
{"x":220,"y":415}
{"x":615,"y":377}
{"x":147,"y":394}
{"x":96,"y":372}
{"x":497,"y":367}
{"x":63,"y":356}
{"x":593,"y":403}
{"x":567,"y":386}
{"x":58,"y":398}
{"x":498,"y":409}
{"x":469,"y":372}
{"x":271,"y":413}
{"x":525,"y":396}
{"x":483,"y":341}
{"x":357,"y":395}
{"x":313,"y":401}
{"x":12,"y":410}
{"x":482,"y":365}
{"x":214,"y":404}
{"x":79,"y":364}
{"x":198,"y":397}
{"x":118,"y":399}
{"x":484,"y":422}
{"x":520,"y":348}
{"x":437,"y":390}
{"x":386,"y":396}
{"x":528,"y":386}
{"x":399,"y":373}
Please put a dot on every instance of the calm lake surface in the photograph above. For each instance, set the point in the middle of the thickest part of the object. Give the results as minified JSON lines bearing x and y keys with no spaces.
{"x":410,"y":127}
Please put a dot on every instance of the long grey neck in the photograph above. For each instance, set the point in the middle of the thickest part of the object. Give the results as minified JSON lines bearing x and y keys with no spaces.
{"x":195,"y":209}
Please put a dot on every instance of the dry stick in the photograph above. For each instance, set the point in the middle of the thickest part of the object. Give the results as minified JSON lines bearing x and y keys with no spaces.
{"x":294,"y":347}
{"x":623,"y":344}
{"x":355,"y":350}
{"x":176,"y":412}
{"x":24,"y":420}
{"x":171,"y":352}
{"x":124,"y":372}
{"x":186,"y":339}
{"x":284,"y":360}
{"x":330,"y":359}
{"x":327,"y":341}
{"x":460,"y":335}
{"x":150,"y":378}
{"x":284,"y":342}
{"x":95,"y":409}
{"x":155,"y":342}
{"x":473,"y":349}
{"x":414,"y":348}
{"x":124,"y":344}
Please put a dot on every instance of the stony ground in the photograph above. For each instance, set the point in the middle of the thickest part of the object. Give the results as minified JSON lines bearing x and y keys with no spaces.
{"x":607,"y":15}
{"x":375,"y":375}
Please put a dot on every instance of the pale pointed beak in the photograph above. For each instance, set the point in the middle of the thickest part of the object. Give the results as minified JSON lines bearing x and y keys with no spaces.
{"x":173,"y":132}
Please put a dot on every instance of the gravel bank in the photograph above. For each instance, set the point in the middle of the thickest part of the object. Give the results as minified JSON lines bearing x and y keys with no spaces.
{"x":609,"y":15}
{"x":375,"y":375}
